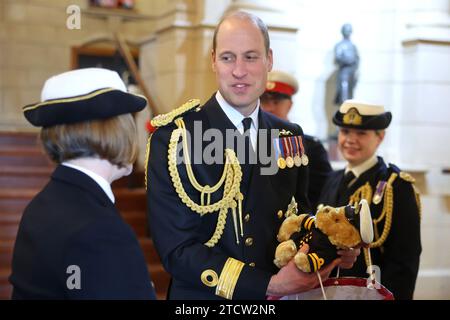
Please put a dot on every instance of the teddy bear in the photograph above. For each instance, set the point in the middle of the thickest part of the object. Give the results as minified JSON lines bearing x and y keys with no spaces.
{"x":329,"y":230}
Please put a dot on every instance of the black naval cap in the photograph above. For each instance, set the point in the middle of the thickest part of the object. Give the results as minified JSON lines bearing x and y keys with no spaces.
{"x":362,"y":115}
{"x":82,"y":95}
{"x":359,"y":215}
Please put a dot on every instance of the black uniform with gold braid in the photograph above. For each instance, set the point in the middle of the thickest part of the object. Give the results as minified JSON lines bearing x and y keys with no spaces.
{"x":395,"y":207}
{"x":214,"y":226}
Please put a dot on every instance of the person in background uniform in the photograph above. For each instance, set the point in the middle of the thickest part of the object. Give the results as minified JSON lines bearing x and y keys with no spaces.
{"x":277,"y":99}
{"x":214,"y":225}
{"x":72,"y":242}
{"x":393,"y":198}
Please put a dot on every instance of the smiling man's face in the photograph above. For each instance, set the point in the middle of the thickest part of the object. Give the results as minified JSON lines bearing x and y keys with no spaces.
{"x":241,"y":63}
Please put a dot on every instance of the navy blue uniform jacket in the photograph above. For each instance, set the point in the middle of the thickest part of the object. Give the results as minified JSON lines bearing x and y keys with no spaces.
{"x":72,"y":222}
{"x":179,"y":233}
{"x":399,"y":260}
{"x":319,"y":168}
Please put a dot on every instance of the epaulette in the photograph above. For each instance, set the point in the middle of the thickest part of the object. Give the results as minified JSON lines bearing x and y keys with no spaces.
{"x":402,"y":174}
{"x":166,"y":118}
{"x":407,"y":177}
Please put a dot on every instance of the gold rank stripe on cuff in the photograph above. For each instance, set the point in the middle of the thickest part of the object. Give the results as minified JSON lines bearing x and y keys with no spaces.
{"x":317,"y":262}
{"x":309,"y":222}
{"x":228,"y":278}
{"x":313,"y":259}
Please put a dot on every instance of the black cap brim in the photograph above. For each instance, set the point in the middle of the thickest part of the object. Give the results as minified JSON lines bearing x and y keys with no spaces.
{"x":376,"y":122}
{"x":100,"y":104}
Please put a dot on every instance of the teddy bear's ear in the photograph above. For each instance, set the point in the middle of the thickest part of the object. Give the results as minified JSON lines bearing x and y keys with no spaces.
{"x":365,"y":222}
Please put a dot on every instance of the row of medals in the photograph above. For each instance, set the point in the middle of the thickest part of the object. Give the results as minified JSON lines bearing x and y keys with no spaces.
{"x":289,"y":162}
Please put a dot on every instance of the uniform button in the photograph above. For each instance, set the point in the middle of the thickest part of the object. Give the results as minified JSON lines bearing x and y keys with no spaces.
{"x":247,"y":217}
{"x":252,"y":264}
{"x":249,"y":242}
{"x":280,"y":214}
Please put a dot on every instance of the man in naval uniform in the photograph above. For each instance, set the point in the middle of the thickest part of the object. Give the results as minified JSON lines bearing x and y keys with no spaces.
{"x":277,"y":99}
{"x":393,"y":198}
{"x":214,"y":225}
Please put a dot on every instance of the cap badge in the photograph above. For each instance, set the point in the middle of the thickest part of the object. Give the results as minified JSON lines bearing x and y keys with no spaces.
{"x":270,"y":85}
{"x":352,"y":117}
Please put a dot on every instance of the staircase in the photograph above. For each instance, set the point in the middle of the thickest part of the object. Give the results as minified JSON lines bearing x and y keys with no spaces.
{"x":24,"y":170}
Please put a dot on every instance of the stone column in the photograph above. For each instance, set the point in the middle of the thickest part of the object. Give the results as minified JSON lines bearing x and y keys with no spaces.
{"x":423,"y":131}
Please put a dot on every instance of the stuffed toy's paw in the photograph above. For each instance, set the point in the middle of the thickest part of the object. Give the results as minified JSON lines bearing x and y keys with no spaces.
{"x":302,"y":262}
{"x":284,"y":253}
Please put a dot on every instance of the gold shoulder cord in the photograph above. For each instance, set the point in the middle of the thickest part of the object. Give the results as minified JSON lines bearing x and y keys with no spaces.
{"x":163,"y":120}
{"x":166,"y":118}
{"x":147,"y":156}
{"x":386,"y":214}
{"x":231,"y":179}
{"x":364,"y":192}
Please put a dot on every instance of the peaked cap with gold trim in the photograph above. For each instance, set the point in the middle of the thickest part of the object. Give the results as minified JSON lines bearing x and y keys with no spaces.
{"x":362,"y":115}
{"x":82,"y":95}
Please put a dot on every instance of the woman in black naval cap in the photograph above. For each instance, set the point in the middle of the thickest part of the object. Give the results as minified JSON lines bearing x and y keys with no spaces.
{"x":72,"y":242}
{"x":393,"y":198}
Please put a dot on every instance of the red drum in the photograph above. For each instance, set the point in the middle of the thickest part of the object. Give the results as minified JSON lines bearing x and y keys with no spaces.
{"x":345,"y":288}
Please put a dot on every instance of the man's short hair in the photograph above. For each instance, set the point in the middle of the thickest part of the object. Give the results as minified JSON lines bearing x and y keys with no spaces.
{"x":113,"y":139}
{"x":249,"y":17}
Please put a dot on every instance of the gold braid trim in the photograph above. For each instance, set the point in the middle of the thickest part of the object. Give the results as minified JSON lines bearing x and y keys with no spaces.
{"x":147,"y":157}
{"x":407,"y":177}
{"x":228,"y":278}
{"x":386,"y":214}
{"x":231,"y":178}
{"x":166,"y":118}
{"x":363,"y":192}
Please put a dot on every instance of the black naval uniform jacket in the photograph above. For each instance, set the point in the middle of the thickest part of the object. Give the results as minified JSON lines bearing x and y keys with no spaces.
{"x":399,"y":261}
{"x":72,"y":222}
{"x":179,"y":233}
{"x":319,"y":168}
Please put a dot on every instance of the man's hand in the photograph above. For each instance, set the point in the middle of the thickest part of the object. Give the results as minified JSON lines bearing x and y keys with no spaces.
{"x":348,"y":257}
{"x":290,"y":280}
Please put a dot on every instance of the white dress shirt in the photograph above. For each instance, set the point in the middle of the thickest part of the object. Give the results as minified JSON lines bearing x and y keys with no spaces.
{"x":236,"y":118}
{"x":361,"y":168}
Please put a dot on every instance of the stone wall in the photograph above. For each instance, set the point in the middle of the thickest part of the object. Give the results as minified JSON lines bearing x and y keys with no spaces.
{"x":35,"y":44}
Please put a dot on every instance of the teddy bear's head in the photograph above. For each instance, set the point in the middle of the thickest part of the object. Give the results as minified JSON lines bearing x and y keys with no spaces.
{"x":334,"y":223}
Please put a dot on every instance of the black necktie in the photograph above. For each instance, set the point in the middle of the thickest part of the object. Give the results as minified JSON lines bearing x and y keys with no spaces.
{"x":247,"y":122}
{"x":348,"y":177}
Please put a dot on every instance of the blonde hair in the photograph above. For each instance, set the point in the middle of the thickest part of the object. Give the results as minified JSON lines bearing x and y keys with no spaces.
{"x":113,"y":139}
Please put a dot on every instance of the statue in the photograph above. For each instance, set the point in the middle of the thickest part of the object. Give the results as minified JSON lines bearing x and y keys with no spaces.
{"x":347,"y":58}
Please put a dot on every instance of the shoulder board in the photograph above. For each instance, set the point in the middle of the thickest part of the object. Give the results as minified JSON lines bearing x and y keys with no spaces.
{"x":407,"y":177}
{"x":166,"y":118}
{"x":402,"y":174}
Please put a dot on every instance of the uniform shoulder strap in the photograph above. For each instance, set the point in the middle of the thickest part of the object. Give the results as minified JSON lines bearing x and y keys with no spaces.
{"x":166,"y":118}
{"x":402,"y":174}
